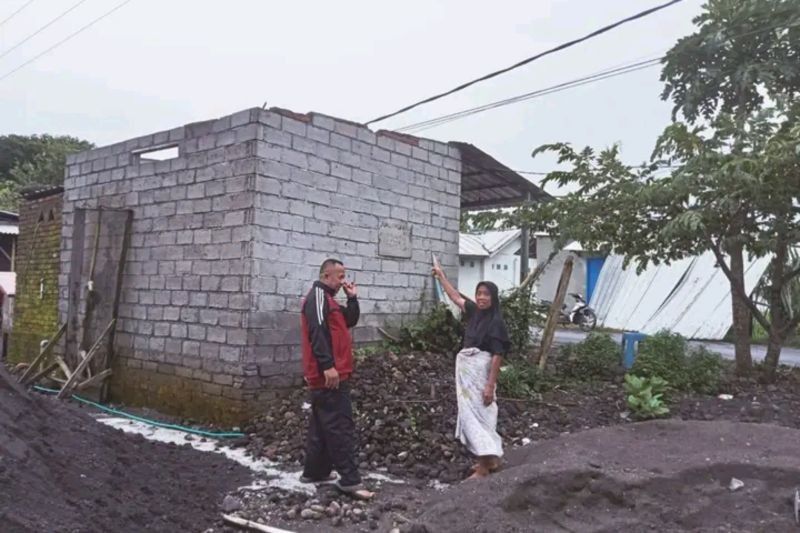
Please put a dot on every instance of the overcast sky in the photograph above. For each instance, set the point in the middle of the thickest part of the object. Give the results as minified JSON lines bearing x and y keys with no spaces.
{"x":155,"y":65}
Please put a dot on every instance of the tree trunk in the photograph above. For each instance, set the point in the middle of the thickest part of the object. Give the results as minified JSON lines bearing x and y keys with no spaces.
{"x":779,"y":327}
{"x":742,"y":320}
{"x":774,"y":346}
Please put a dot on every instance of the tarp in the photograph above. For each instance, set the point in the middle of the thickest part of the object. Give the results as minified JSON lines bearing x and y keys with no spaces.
{"x":691,"y":297}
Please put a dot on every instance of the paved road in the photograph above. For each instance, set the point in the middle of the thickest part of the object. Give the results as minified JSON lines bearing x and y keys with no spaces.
{"x":789,"y":356}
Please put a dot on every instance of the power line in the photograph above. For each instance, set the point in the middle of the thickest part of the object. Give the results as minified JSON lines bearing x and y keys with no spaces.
{"x":40,"y":30}
{"x":64,"y":40}
{"x":15,"y":13}
{"x":598,"y":76}
{"x":558,"y":48}
{"x":627,"y":69}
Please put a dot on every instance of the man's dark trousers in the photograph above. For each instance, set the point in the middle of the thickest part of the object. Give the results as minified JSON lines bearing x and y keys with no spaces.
{"x":331,"y":436}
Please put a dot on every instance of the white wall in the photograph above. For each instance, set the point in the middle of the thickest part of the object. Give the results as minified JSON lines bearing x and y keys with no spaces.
{"x":470,"y":272}
{"x":503,"y":269}
{"x":548,"y":282}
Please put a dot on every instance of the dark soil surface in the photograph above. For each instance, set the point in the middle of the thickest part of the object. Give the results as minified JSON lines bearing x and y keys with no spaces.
{"x":62,"y":471}
{"x":405,"y":409}
{"x":665,"y":476}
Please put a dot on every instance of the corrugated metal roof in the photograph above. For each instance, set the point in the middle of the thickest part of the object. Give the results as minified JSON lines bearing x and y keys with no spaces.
{"x":471,"y":246}
{"x":9,"y":229}
{"x":691,"y":296}
{"x":34,"y":192}
{"x":486,"y":183}
{"x":494,"y":241}
{"x":485,"y":244}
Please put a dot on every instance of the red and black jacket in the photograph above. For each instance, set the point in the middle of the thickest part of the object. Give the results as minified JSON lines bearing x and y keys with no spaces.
{"x":326,"y":338}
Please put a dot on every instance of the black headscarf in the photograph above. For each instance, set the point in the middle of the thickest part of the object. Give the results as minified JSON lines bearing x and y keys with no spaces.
{"x":486,"y":328}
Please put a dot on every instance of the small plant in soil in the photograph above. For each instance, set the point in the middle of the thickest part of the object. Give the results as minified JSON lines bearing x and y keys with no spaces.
{"x":520,"y":379}
{"x":645,"y":396}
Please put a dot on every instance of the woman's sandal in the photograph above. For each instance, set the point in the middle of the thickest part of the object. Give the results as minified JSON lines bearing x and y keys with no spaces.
{"x":357,"y":492}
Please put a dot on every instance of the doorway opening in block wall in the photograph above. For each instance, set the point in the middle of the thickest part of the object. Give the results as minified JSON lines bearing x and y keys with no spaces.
{"x":100,"y":243}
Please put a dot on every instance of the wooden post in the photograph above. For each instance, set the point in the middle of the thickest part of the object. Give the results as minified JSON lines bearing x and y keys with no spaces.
{"x":555,"y":311}
{"x":73,"y":379}
{"x":90,"y":292}
{"x":43,"y":353}
{"x":123,"y":257}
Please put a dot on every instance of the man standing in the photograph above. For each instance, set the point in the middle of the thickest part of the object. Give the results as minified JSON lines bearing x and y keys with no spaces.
{"x":327,"y":366}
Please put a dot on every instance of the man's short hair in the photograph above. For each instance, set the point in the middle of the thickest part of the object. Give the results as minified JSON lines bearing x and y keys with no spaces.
{"x":328,"y":263}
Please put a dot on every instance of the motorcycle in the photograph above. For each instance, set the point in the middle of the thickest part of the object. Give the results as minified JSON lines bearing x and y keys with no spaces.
{"x":580,"y":315}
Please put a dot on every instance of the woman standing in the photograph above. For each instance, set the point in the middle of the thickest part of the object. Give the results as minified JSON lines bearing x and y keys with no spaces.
{"x":477,"y":366}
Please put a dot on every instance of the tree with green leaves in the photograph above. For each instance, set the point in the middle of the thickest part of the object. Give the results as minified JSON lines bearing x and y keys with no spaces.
{"x":724,"y":176}
{"x":27,"y":160}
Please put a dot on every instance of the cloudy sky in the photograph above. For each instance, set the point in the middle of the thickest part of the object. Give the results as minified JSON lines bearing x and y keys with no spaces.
{"x":154,"y":65}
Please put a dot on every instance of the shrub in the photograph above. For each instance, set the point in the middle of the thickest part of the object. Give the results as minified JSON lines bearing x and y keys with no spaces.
{"x":521,"y":379}
{"x":436,"y":331}
{"x":597,"y":357}
{"x":704,"y":371}
{"x":520,"y":314}
{"x":666,"y":355}
{"x":663,"y":355}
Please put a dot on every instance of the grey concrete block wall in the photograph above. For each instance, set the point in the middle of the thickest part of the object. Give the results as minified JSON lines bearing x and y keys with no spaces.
{"x":228,"y":236}
{"x":324,"y":187}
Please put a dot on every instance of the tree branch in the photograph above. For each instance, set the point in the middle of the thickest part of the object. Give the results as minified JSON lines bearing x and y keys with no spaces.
{"x":791,"y":275}
{"x":737,"y":290}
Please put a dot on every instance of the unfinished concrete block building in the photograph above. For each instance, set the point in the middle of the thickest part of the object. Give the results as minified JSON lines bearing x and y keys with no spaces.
{"x":227,"y":233}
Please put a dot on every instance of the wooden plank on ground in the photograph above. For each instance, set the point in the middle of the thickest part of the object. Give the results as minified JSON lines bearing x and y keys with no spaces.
{"x":249,"y":524}
{"x":99,"y":378}
{"x":64,"y":366}
{"x":73,"y":379}
{"x":43,"y":353}
{"x":39,"y":375}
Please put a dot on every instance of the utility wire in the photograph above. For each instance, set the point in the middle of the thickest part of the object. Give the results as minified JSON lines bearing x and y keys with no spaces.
{"x":15,"y":13}
{"x":64,"y":40}
{"x":558,"y":48}
{"x":599,"y":76}
{"x":420,"y":126}
{"x":40,"y":30}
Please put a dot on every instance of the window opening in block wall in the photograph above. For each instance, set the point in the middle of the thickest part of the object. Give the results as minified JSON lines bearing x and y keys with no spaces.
{"x":50,"y":216}
{"x":161,"y":153}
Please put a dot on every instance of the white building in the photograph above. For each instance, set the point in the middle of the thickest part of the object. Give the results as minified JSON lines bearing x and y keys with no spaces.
{"x":491,"y":256}
{"x":495,"y":256}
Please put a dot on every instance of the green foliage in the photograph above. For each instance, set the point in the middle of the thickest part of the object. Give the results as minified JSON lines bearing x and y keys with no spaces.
{"x":704,"y":371}
{"x":645,"y":396}
{"x":666,"y":355}
{"x":742,"y":51}
{"x":520,"y":379}
{"x":597,"y":357}
{"x":663,"y":355}
{"x":369,"y":350}
{"x":27,"y":160}
{"x":728,"y":185}
{"x":436,"y":331}
{"x":520,"y":312}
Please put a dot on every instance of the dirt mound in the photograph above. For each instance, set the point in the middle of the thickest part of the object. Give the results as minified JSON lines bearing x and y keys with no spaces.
{"x":660,"y":476}
{"x":405,"y":407}
{"x":62,"y":471}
